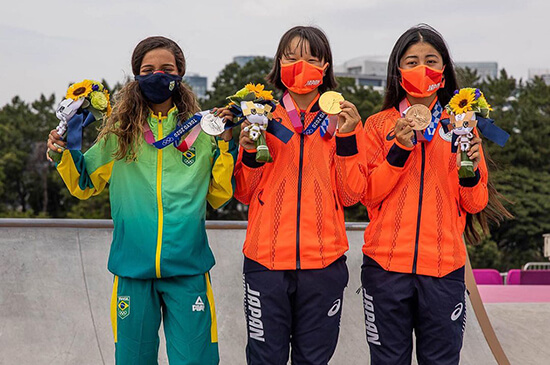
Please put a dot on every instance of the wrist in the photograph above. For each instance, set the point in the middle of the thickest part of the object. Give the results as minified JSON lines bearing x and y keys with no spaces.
{"x":249,"y":159}
{"x":404,"y":146}
{"x":348,"y":127}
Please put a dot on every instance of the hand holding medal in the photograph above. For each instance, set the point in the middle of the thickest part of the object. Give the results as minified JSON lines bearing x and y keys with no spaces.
{"x":214,"y":123}
{"x":340,"y":112}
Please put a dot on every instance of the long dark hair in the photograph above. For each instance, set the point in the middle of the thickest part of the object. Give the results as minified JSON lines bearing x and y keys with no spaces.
{"x":131,"y":109}
{"x":477,"y":225}
{"x":319,"y":47}
{"x":418,"y":34}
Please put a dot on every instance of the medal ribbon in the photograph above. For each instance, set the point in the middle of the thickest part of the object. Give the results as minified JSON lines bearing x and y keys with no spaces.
{"x":174,"y":137}
{"x":75,"y":125}
{"x":297,"y":121}
{"x":486,"y":126}
{"x":317,"y":122}
{"x":428,"y":133}
{"x":292,"y":113}
{"x":328,"y":127}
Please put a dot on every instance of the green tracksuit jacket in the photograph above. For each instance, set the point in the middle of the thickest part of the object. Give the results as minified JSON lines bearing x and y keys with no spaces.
{"x":158,"y":201}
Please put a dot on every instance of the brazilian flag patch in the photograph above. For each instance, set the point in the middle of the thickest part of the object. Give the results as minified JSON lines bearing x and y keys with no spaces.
{"x":189,"y":156}
{"x":123,"y":306}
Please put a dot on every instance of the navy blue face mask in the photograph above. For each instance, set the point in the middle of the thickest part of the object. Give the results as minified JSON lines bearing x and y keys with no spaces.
{"x":158,"y":86}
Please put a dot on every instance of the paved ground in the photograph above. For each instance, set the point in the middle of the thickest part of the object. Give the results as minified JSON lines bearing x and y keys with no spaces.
{"x":55,"y":294}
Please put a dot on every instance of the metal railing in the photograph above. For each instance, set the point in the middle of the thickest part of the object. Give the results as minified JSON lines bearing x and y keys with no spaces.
{"x":537,"y":266}
{"x":108,"y":223}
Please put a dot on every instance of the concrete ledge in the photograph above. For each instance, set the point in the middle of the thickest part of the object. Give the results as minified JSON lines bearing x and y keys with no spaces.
{"x":55,"y":294}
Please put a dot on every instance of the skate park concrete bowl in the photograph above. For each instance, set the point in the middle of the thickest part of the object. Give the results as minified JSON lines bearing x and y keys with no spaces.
{"x":55,"y":294}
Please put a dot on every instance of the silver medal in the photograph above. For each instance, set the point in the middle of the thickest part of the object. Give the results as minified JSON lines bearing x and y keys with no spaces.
{"x":212,"y":125}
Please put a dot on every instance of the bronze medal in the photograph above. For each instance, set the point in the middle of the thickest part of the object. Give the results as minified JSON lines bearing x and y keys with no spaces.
{"x":421,"y":115}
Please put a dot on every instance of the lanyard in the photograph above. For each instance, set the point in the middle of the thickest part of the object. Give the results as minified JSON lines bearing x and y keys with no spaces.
{"x":191,"y":124}
{"x":297,"y":121}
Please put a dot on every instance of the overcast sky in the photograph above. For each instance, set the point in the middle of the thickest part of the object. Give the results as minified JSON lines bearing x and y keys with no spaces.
{"x":44,"y":45}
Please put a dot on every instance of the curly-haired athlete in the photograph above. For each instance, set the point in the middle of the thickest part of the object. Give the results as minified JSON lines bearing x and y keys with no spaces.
{"x":159,"y":254}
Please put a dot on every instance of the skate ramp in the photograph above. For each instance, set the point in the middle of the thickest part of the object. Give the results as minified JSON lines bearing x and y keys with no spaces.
{"x":55,"y":294}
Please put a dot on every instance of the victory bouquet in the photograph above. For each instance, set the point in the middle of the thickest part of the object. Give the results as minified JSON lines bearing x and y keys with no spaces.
{"x":469,"y":109}
{"x":84,"y":103}
{"x":256,"y":105}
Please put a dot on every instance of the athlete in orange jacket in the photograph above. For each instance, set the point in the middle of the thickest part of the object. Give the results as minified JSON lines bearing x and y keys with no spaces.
{"x":416,"y":204}
{"x":413,"y":269}
{"x":294,"y":269}
{"x":296,"y":216}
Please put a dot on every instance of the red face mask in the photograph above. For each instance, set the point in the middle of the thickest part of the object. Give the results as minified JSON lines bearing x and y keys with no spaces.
{"x":301,"y":77}
{"x":422,"y":81}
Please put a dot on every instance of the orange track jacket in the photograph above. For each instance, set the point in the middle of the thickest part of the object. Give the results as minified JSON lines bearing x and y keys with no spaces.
{"x":295,"y":217}
{"x":416,"y":203}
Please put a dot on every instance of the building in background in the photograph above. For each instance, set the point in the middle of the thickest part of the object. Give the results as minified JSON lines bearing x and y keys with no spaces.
{"x":372,"y":70}
{"x":367,"y":71}
{"x":484,"y":69}
{"x":543,"y":73}
{"x":198,"y":84}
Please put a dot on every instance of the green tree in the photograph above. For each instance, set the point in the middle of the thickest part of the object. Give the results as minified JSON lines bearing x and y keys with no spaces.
{"x":520,"y":170}
{"x":233,"y":77}
{"x":367,"y":100}
{"x":22,"y":154}
{"x":467,"y":77}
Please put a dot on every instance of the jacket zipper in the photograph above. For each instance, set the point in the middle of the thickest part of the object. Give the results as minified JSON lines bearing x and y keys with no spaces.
{"x":299,"y":195}
{"x":420,"y":196}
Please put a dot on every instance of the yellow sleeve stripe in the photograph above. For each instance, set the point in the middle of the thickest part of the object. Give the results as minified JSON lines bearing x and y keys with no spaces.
{"x":210,"y":296}
{"x":101,"y":176}
{"x":114,"y":308}
{"x":70,"y":175}
{"x":221,"y":186}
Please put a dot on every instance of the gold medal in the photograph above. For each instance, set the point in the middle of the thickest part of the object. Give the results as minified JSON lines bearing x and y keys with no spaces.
{"x":329,"y":102}
{"x":421,"y":115}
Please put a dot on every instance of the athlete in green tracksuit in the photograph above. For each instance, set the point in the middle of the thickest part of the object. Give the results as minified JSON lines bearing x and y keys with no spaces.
{"x":160,"y":254}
